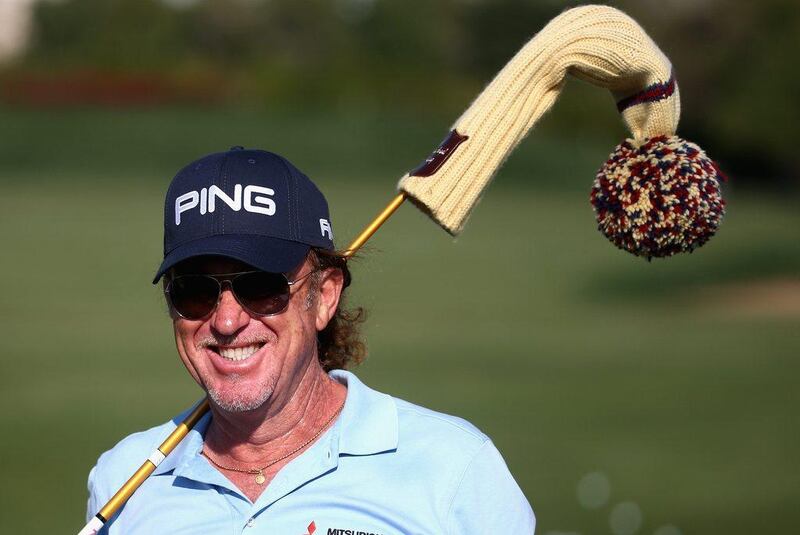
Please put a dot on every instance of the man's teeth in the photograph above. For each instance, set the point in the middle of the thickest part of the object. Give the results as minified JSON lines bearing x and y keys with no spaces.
{"x":237,"y":353}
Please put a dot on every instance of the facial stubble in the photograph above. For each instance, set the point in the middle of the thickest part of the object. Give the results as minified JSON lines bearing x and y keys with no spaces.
{"x":239,"y":402}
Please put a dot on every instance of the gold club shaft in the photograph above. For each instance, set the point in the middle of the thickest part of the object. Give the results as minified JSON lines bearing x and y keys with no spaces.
{"x":375,"y":225}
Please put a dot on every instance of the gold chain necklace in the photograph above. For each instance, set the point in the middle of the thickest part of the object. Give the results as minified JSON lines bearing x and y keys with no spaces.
{"x":259,"y":472}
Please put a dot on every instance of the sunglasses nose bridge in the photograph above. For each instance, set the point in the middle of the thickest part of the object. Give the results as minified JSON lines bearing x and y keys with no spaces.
{"x":227,"y":284}
{"x":223,"y":283}
{"x":229,"y":314}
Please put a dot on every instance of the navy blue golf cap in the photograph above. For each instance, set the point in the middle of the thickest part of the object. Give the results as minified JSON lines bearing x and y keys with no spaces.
{"x":250,"y":205}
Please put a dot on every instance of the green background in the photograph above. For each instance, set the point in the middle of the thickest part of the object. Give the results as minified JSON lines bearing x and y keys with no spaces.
{"x":674,"y":378}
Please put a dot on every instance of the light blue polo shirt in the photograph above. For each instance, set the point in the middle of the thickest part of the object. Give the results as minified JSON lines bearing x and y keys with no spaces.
{"x":386,"y":467}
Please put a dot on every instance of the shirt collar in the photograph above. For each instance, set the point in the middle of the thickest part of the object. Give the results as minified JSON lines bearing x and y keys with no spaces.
{"x":368,"y":425}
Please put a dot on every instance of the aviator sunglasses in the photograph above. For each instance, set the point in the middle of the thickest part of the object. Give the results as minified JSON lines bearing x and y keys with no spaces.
{"x":260,"y":293}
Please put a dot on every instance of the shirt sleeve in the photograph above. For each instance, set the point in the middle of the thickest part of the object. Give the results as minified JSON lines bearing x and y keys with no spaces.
{"x":91,"y":505}
{"x":488,"y":500}
{"x":95,"y":501}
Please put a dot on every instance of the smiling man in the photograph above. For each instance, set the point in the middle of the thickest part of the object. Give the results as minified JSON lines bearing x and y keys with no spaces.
{"x":293,"y":443}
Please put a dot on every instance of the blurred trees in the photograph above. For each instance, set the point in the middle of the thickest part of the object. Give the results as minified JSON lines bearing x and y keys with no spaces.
{"x":734,"y":59}
{"x":108,"y":34}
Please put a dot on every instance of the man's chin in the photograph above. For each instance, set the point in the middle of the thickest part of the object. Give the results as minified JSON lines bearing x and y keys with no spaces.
{"x":236,"y":402}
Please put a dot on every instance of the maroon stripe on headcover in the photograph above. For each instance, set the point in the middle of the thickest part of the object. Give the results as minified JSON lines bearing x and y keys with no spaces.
{"x":651,"y":93}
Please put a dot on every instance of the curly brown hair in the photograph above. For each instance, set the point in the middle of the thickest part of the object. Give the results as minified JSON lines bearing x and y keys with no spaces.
{"x":339,"y":344}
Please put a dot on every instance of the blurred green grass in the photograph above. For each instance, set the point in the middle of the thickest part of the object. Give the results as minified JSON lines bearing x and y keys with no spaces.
{"x":573,"y":356}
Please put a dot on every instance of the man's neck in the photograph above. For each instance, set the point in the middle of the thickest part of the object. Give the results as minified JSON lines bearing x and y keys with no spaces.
{"x":277,"y":427}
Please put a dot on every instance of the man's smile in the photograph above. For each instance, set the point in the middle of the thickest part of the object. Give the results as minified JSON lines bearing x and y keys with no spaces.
{"x":236,"y":353}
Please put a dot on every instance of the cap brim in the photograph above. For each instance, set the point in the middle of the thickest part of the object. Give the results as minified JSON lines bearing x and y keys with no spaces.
{"x":262,"y":252}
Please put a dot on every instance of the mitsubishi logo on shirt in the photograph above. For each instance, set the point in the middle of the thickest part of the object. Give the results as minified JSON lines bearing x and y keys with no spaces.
{"x":337,"y":531}
{"x":312,"y":527}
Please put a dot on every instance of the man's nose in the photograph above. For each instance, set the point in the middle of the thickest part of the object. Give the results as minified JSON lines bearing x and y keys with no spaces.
{"x":229,"y":317}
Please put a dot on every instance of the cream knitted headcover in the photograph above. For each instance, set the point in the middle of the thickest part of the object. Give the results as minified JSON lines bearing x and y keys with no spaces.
{"x":600,"y":45}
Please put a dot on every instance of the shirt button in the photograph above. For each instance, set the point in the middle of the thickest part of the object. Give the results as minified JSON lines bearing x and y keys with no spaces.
{"x":250,"y":523}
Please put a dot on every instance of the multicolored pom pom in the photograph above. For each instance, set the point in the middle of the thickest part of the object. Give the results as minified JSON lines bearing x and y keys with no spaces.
{"x":658,"y":197}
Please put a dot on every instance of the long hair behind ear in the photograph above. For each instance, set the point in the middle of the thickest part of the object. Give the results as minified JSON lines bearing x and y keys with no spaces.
{"x":339,"y":343}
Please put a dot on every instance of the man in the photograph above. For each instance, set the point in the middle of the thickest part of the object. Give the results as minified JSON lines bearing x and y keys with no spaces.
{"x":293,"y":444}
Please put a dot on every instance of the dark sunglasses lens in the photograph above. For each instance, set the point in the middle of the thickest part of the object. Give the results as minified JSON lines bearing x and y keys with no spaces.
{"x":193,"y":296}
{"x":262,"y":292}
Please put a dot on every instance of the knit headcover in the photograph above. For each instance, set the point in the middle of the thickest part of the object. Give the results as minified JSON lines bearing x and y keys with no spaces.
{"x":656,"y":195}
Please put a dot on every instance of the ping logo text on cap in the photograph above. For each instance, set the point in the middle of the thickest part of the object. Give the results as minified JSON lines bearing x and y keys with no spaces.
{"x":254,"y":199}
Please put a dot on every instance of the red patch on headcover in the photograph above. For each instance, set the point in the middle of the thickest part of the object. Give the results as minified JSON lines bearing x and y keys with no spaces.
{"x":311,"y":528}
{"x":436,"y":160}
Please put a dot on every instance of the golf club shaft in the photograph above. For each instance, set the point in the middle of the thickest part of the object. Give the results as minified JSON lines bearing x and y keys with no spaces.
{"x":144,"y":471}
{"x":367,"y":233}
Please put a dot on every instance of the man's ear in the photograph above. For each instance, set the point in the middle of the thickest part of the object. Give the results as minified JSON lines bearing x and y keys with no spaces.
{"x":329,"y":293}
